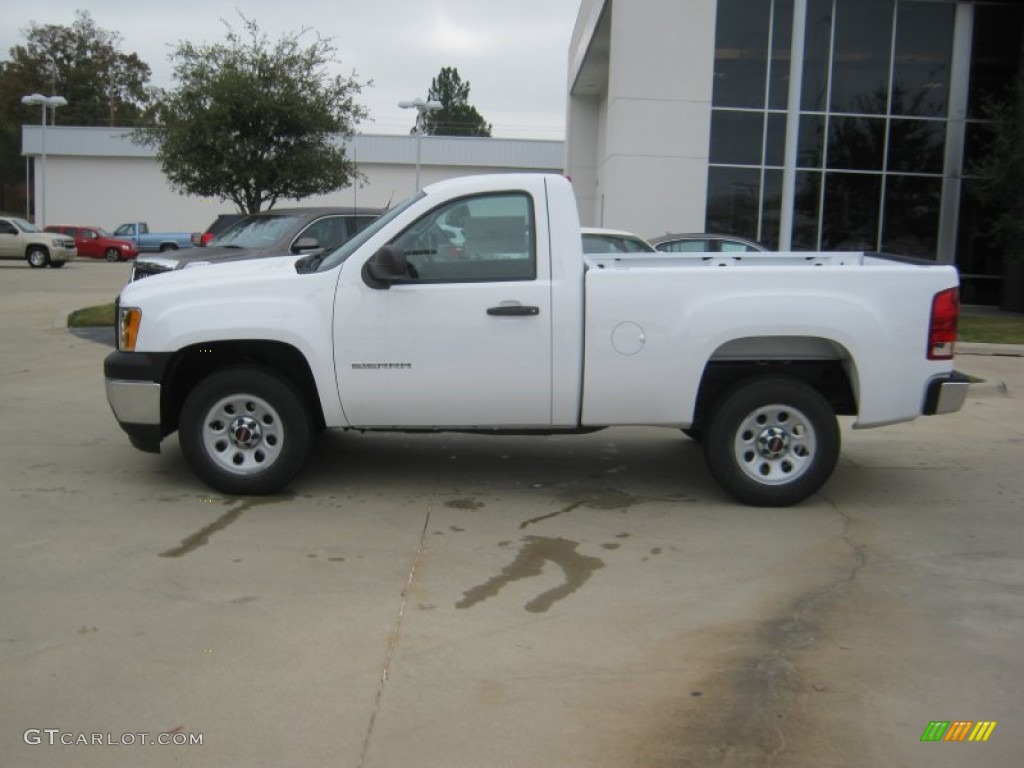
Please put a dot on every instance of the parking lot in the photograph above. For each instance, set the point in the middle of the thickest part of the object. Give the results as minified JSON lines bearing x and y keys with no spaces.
{"x":453,"y":600}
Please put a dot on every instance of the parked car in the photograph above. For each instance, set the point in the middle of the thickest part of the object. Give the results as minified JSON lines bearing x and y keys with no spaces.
{"x":702,"y":242}
{"x":138,"y":233}
{"x":222,"y":222}
{"x":277,"y":232}
{"x":20,"y":239}
{"x":96,"y":243}
{"x":606,"y":241}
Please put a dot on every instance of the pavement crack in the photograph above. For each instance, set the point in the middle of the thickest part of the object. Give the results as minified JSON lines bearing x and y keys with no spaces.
{"x":859,"y":550}
{"x":393,"y":640}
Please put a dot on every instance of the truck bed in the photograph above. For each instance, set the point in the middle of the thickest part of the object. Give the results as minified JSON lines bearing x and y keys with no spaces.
{"x":772,"y":259}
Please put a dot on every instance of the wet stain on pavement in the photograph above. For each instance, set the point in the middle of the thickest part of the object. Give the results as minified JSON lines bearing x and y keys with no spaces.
{"x":470,"y":504}
{"x":757,"y":702}
{"x":529,"y":562}
{"x":600,"y":498}
{"x":202,"y":536}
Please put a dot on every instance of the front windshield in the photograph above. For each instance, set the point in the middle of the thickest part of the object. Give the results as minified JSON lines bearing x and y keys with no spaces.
{"x":261,"y":231}
{"x":103,"y":233}
{"x":349,"y":247}
{"x":25,"y":226}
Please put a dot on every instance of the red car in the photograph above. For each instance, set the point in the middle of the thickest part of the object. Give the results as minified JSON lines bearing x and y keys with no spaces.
{"x":96,"y":243}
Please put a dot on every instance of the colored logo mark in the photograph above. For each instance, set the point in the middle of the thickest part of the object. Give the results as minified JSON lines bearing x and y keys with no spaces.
{"x":958,"y":730}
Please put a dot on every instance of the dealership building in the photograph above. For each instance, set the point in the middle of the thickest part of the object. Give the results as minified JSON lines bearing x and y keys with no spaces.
{"x":804,"y":124}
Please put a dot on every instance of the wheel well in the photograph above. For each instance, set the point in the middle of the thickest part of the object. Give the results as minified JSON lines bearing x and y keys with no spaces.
{"x":36,"y":247}
{"x":194,"y":363}
{"x":828,"y":377}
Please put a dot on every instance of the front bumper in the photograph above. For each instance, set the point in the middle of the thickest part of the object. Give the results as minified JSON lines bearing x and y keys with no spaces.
{"x":946,"y":394}
{"x":134,"y":394}
{"x":63,"y":254}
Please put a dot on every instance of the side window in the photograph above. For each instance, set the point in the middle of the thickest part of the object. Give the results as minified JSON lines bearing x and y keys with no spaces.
{"x":474,"y":239}
{"x":688,"y":246}
{"x":732,"y":247}
{"x":6,"y":228}
{"x":330,"y":231}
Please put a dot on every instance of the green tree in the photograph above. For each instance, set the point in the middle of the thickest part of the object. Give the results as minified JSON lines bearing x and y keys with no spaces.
{"x":457,"y":117}
{"x":999,"y":167}
{"x":255,"y":122}
{"x":1000,"y":170}
{"x":81,"y":62}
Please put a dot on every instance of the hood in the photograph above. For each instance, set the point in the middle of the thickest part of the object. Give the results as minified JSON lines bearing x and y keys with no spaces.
{"x":208,"y":254}
{"x":55,"y":238}
{"x":219,"y":276}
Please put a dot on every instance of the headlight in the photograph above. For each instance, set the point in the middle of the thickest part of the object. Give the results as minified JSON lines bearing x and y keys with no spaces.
{"x":128,"y":321}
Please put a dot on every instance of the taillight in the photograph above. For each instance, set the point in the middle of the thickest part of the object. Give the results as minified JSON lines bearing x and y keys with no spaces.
{"x":942,"y":326}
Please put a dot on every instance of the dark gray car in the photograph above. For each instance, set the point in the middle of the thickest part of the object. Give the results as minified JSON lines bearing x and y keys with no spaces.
{"x":277,"y":232}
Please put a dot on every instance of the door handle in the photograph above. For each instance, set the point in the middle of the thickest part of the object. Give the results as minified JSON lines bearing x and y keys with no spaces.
{"x":514,"y":310}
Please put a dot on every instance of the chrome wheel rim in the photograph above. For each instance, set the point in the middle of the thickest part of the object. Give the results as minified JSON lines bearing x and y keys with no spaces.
{"x":775,"y":444}
{"x":243,"y":434}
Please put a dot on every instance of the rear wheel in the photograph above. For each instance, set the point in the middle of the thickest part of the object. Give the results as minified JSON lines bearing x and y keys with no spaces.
{"x":112,"y":254}
{"x":772,"y":441}
{"x":168,"y":247}
{"x":245,"y":431}
{"x":37,"y":256}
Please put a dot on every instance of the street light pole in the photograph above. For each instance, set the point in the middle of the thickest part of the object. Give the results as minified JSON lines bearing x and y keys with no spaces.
{"x":421,"y":108}
{"x":45,"y":101}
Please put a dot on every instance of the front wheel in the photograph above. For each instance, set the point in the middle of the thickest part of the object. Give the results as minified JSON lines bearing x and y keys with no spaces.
{"x":772,"y":441}
{"x":112,"y":254}
{"x":37,"y":257}
{"x":245,"y":431}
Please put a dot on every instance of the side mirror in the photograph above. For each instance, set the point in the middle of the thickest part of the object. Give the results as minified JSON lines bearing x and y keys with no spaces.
{"x":305,"y":244}
{"x":386,"y":266}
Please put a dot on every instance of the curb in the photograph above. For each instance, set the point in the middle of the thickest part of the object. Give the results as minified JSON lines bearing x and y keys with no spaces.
{"x":1000,"y":350}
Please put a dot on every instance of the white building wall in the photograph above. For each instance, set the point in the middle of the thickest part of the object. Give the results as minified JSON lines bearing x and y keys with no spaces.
{"x":649,"y":174}
{"x":97,"y":177}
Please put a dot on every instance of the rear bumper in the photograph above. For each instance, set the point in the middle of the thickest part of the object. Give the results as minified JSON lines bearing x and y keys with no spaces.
{"x":946,"y":394}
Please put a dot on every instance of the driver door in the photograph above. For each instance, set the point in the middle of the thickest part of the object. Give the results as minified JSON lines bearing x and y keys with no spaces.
{"x":464,"y":339}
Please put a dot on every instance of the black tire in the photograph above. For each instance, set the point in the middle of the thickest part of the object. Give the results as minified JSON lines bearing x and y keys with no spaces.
{"x":772,"y":441}
{"x":112,"y":254}
{"x":57,"y":264}
{"x":37,"y":256}
{"x":168,"y":247}
{"x":245,"y":430}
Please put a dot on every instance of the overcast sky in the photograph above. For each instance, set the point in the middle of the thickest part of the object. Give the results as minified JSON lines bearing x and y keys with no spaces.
{"x":514,"y":54}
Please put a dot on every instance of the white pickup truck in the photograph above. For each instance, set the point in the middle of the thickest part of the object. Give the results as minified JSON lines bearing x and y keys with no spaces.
{"x":471,"y":307}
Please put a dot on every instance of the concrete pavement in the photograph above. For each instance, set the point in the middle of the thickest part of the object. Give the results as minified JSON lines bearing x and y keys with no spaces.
{"x":450,"y":600}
